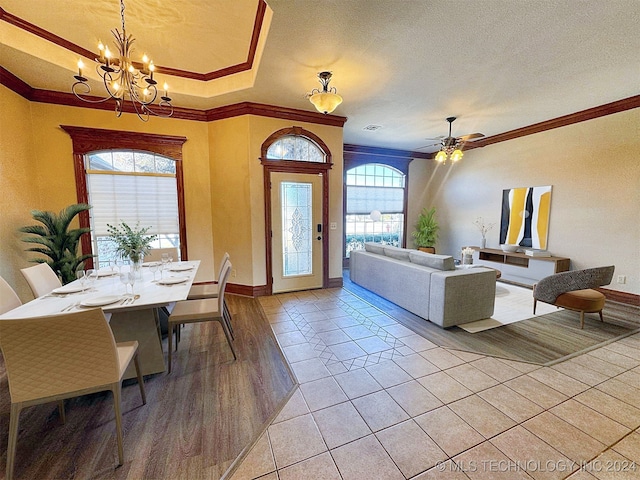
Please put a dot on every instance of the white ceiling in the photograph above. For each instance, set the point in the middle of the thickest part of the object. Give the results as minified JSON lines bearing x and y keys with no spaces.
{"x":497,"y":65}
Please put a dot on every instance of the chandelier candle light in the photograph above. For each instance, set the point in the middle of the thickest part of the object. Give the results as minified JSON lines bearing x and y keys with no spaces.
{"x":123,"y":79}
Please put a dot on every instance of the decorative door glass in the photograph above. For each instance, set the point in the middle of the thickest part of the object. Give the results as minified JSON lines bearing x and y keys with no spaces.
{"x":297,"y":234}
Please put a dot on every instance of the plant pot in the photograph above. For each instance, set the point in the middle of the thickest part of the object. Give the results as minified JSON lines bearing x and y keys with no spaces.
{"x":427,"y":249}
{"x":467,"y":259}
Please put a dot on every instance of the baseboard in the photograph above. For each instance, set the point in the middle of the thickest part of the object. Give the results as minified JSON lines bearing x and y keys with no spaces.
{"x":622,"y":297}
{"x":247,"y":290}
{"x":335,"y":282}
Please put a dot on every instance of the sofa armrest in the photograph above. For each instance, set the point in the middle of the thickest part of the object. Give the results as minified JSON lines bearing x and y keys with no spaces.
{"x":461,"y":296}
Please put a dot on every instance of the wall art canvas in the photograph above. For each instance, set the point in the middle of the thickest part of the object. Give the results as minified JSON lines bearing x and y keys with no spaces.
{"x":525,"y":216}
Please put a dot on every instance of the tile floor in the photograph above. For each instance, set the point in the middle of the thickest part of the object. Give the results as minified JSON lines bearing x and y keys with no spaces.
{"x":377,"y":401}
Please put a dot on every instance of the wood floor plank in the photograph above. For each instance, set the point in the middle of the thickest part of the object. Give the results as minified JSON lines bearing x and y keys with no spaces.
{"x":196,"y":422}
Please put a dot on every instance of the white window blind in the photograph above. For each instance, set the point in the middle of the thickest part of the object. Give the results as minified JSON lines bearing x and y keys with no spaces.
{"x":363,"y":200}
{"x":150,"y":200}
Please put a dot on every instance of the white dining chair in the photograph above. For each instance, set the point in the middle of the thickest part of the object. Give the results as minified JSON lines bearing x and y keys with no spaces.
{"x":201,"y":310}
{"x":211,"y":290}
{"x":53,"y":358}
{"x":155,"y":254}
{"x":8,"y":298}
{"x":41,"y":279}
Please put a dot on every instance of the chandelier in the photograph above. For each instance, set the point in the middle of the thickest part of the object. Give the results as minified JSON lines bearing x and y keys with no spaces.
{"x":123,"y":79}
{"x":325,"y":100}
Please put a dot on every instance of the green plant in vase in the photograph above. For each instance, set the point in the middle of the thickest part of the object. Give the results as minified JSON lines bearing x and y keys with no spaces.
{"x":56,"y":241}
{"x":426,"y":233}
{"x":131,"y":243}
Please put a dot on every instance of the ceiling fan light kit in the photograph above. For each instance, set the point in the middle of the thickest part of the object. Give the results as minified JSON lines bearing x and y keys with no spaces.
{"x":327,"y":99}
{"x":451,"y":147}
{"x":123,"y":80}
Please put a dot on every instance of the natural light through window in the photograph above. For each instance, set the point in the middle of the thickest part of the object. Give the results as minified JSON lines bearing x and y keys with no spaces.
{"x":374,"y":188}
{"x":133,"y":187}
{"x":295,"y":147}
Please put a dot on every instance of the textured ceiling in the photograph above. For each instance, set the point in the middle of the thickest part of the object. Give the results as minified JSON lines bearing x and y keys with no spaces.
{"x":405,"y":65}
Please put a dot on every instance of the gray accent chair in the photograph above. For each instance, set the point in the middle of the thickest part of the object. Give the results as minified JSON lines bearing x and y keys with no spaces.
{"x":574,"y":290}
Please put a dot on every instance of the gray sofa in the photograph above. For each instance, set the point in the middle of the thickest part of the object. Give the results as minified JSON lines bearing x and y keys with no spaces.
{"x":425,"y":284}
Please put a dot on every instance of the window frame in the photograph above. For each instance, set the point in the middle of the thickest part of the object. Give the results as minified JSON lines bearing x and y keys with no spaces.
{"x":355,"y":156}
{"x":87,"y":140}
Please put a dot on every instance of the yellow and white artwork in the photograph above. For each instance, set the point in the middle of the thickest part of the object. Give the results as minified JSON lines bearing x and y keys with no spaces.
{"x":525,"y":216}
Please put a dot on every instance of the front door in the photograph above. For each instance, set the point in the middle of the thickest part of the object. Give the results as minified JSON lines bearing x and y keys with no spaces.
{"x":296,"y":215}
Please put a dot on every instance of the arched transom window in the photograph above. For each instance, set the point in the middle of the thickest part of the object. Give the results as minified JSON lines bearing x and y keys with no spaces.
{"x":374,"y":206}
{"x":294,"y":147}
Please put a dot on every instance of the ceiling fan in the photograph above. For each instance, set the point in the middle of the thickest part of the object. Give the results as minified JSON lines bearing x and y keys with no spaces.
{"x":451,"y":147}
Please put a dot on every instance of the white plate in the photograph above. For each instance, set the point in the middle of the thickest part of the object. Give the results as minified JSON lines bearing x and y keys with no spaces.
{"x":172,"y":280}
{"x":148,"y":264}
{"x":100,"y":301}
{"x":106,"y":273}
{"x":69,"y":289}
{"x":181,"y":268}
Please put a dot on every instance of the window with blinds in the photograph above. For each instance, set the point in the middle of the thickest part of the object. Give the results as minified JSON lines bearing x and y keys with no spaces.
{"x":374,"y":206}
{"x":137,"y":188}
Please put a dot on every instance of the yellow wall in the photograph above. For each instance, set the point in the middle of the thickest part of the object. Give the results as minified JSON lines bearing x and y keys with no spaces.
{"x":223,"y":181}
{"x":18,"y":185}
{"x":39,"y":155}
{"x":238,"y":192}
{"x":594,"y":169}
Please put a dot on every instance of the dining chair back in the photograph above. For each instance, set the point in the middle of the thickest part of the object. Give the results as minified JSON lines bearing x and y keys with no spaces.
{"x":52,"y":358}
{"x":202,"y":310}
{"x":41,"y":279}
{"x":155,"y":254}
{"x":8,"y":298}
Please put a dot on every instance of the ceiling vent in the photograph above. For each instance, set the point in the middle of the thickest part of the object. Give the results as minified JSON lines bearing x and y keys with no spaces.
{"x":372,"y":128}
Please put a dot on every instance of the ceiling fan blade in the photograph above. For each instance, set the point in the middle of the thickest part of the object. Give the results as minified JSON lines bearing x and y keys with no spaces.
{"x":430,"y":145}
{"x":471,"y":136}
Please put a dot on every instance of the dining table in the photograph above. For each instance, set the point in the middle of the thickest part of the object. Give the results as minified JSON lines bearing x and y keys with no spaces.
{"x":132,"y":311}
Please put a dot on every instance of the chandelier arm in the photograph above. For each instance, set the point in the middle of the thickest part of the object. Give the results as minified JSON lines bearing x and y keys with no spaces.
{"x":75,"y":87}
{"x":122,"y":81}
{"x":163,"y":104}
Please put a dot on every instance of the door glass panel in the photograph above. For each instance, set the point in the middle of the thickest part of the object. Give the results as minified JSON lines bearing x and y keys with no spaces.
{"x":296,"y":228}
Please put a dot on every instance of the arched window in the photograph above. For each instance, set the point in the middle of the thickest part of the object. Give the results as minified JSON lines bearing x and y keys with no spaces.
{"x":115,"y":159}
{"x":295,"y":144}
{"x":135,"y":187}
{"x":374,"y":206}
{"x":293,"y":147}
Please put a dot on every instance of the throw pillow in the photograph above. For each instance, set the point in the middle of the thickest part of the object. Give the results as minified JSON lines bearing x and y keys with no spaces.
{"x":432,"y":260}
{"x":397,"y":253}
{"x":373,"y":247}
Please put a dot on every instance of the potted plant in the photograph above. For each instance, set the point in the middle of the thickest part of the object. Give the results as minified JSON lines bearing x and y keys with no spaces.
{"x":426,"y":233}
{"x":56,"y":241}
{"x":131,"y":243}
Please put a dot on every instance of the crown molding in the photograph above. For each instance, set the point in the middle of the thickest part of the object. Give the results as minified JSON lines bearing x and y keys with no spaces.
{"x":204,"y":77}
{"x":263,"y":110}
{"x":384,"y":152}
{"x":577,"y":117}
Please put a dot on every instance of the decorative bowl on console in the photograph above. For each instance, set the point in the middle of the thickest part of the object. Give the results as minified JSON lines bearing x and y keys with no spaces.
{"x":506,"y":247}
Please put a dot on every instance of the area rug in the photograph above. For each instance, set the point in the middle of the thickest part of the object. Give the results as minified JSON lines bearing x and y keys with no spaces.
{"x":513,"y":304}
{"x":542,"y":340}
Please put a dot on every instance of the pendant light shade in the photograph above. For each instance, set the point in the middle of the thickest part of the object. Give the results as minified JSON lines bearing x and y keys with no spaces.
{"x":327,"y":99}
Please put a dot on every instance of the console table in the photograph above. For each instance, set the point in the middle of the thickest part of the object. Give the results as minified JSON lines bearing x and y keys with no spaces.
{"x":519,"y":268}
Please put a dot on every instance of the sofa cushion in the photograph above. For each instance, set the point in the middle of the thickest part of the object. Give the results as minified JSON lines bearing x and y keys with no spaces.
{"x":440,"y":262}
{"x":397,"y":253}
{"x":373,"y":247}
